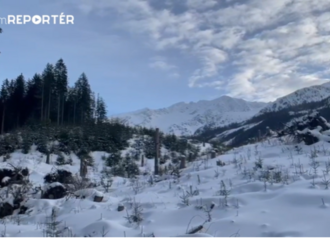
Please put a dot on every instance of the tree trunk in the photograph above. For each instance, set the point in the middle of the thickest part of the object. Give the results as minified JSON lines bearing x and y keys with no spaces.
{"x":49,"y":103}
{"x":3,"y":119}
{"x":157,"y":152}
{"x":83,"y":168}
{"x":142,"y":160}
{"x":58,"y":110}
{"x":183,"y":162}
{"x":17,"y":120}
{"x":48,"y":158}
{"x":42,"y":103}
{"x":62,"y":114}
{"x":74,"y":113}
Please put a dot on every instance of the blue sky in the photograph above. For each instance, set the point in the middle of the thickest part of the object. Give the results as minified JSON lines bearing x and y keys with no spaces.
{"x":154,"y":53}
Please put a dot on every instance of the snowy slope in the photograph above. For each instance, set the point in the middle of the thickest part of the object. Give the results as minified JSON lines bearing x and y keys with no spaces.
{"x":186,"y":118}
{"x":314,"y":93}
{"x":275,"y":115}
{"x":292,"y":202}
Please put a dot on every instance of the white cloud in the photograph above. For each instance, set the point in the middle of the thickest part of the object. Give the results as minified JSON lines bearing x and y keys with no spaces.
{"x":161,"y":63}
{"x":201,"y":4}
{"x":251,"y":49}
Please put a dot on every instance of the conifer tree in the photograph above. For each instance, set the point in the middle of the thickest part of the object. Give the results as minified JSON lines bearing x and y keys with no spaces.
{"x":48,"y":88}
{"x":61,"y":87}
{"x":4,"y":95}
{"x":83,"y":101}
{"x":101,"y":112}
{"x":33,"y":98}
{"x":18,"y":98}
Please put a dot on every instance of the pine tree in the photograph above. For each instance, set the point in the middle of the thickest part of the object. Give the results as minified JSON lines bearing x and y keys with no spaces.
{"x":101,"y":112}
{"x":32,"y":102}
{"x":18,"y":98}
{"x":27,"y":143}
{"x":47,"y":92}
{"x":130,"y":166}
{"x":114,"y":159}
{"x":83,"y":111}
{"x":71,"y":105}
{"x":4,"y":100}
{"x":61,"y":87}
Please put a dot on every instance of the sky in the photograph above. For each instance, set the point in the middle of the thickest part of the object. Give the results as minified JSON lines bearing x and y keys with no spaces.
{"x":155,"y":53}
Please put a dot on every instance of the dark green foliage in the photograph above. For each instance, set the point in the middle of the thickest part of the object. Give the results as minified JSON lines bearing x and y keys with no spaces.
{"x":130,"y":166}
{"x":175,"y":171}
{"x":89,"y":160}
{"x":61,"y":176}
{"x":83,"y":152}
{"x":114,"y":159}
{"x":101,"y":112}
{"x":149,"y":147}
{"x":47,"y":98}
{"x":60,"y":159}
{"x":61,"y":89}
{"x":170,"y":142}
{"x":124,"y":167}
{"x":42,"y":145}
{"x":27,"y":143}
{"x":119,"y":171}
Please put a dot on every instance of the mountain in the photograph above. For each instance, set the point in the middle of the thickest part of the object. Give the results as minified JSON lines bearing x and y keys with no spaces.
{"x":310,"y":94}
{"x":185,"y":118}
{"x":275,"y":116}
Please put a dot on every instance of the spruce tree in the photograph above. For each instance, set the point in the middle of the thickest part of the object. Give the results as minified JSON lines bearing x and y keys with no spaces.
{"x":114,"y":159}
{"x":47,"y":92}
{"x":18,"y":99}
{"x":4,"y":95}
{"x":33,"y":97}
{"x":101,"y":112}
{"x":83,"y":111}
{"x":61,"y":88}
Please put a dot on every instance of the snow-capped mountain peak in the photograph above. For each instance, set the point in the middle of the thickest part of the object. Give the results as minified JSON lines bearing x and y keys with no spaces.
{"x":310,"y":94}
{"x":185,"y":118}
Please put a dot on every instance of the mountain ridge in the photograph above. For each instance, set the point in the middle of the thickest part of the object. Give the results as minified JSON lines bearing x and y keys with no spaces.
{"x":194,"y":118}
{"x":185,"y":118}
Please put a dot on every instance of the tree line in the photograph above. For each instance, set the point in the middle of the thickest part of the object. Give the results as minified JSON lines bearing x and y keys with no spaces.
{"x":47,"y":98}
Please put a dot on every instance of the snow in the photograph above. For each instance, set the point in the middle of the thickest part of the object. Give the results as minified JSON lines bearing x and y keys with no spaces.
{"x":186,"y":118}
{"x":5,"y":179}
{"x":52,"y":185}
{"x":244,"y":127}
{"x":298,"y":206}
{"x":314,"y":93}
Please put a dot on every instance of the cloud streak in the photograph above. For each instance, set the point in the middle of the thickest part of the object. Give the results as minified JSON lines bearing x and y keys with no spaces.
{"x":257,"y":50}
{"x":160,"y":63}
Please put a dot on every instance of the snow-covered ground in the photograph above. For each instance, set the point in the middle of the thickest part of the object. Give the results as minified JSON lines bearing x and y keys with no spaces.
{"x":292,"y":202}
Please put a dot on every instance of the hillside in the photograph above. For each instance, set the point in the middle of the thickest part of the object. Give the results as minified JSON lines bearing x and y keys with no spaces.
{"x":275,"y":116}
{"x":315,"y":93}
{"x":234,"y":200}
